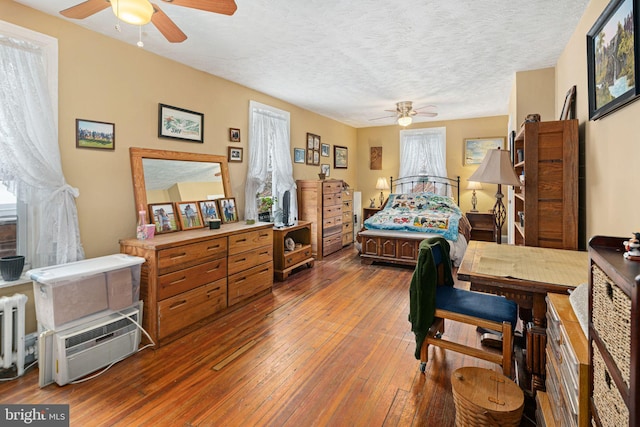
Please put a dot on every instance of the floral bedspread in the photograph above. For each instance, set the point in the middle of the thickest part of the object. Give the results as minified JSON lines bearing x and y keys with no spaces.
{"x":420,"y":212}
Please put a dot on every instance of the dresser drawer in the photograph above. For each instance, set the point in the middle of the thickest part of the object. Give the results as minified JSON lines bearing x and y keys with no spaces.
{"x":347,"y":196}
{"x":347,"y":217}
{"x":331,"y":244}
{"x":171,"y":284}
{"x":182,"y":310}
{"x":249,"y":282}
{"x":607,"y":400}
{"x":332,"y":199}
{"x":248,"y":259}
{"x":347,"y":239}
{"x":182,"y":256}
{"x":294,"y":257}
{"x":332,"y":187}
{"x":332,"y":211}
{"x":250,"y":240}
{"x":347,"y":226}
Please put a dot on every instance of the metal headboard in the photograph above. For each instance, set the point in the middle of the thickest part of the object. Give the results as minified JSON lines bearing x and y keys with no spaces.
{"x":443,"y":185}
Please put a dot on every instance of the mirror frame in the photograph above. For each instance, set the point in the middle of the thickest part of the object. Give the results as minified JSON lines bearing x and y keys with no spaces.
{"x":137,"y":170}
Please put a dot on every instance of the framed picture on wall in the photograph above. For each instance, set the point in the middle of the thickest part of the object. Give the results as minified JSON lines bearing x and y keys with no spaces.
{"x":178,"y":123}
{"x":92,"y":134}
{"x":340,"y":157}
{"x":313,"y":149}
{"x":298,"y":155}
{"x":612,"y":52}
{"x":476,"y":148}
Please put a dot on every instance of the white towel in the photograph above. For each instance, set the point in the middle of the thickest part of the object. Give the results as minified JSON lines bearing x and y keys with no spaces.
{"x":579,"y":299}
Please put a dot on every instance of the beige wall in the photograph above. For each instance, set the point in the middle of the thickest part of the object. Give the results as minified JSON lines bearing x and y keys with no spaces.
{"x":106,"y":80}
{"x":611,"y":145}
{"x":388,"y":137}
{"x":535,"y":94}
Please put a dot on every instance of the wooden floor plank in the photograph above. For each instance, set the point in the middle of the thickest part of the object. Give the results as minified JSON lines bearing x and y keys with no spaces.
{"x":331,"y":346}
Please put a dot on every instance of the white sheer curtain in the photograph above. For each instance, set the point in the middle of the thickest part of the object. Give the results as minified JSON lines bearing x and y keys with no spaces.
{"x":30,"y":157}
{"x":269,"y":145}
{"x":423,"y":152}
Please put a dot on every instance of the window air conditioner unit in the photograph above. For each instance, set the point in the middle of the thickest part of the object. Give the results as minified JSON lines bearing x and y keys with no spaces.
{"x":73,"y":353}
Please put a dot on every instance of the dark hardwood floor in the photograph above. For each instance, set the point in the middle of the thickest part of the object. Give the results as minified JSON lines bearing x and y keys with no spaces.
{"x":331,"y":346}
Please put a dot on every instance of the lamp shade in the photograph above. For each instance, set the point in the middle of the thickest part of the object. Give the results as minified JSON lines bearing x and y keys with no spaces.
{"x":496,"y":169}
{"x":135,"y":12}
{"x":474,"y":185}
{"x":382,"y":184}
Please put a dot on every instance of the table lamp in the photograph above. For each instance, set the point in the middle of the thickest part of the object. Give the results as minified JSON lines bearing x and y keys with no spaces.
{"x":382,"y":185}
{"x":474,"y":185}
{"x":496,"y":169}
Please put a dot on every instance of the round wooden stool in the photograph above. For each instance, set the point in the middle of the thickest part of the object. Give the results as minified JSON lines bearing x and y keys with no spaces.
{"x":485,"y":398}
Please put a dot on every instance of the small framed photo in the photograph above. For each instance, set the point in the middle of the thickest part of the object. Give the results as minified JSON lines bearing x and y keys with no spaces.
{"x":298,"y":155}
{"x":92,"y":134}
{"x":189,"y":214}
{"x":209,"y":210}
{"x":228,"y":210}
{"x":325,"y":150}
{"x":324,"y":168}
{"x":163,"y":216}
{"x":234,"y":135}
{"x":340,"y":157}
{"x":178,"y":123}
{"x":313,"y":149}
{"x":234,"y":154}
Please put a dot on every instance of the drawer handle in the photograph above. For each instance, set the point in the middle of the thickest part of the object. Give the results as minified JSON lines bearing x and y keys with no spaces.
{"x":264,"y":235}
{"x":241,"y":279}
{"x":240,"y":260}
{"x":265,"y":270}
{"x":214,"y":290}
{"x":306,"y":253}
{"x":610,"y":291}
{"x":210,"y":248}
{"x":242,"y":240}
{"x":289,"y":260}
{"x":264,"y":253}
{"x":216,"y":268}
{"x":177,"y":304}
{"x":183,"y":254}
{"x":182,"y":279}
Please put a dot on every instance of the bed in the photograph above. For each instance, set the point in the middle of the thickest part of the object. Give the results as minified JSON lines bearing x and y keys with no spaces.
{"x":418,"y":207}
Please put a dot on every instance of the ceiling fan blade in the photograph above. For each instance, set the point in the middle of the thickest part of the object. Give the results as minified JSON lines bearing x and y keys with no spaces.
{"x":383,"y":117}
{"x":85,"y":9}
{"x":426,"y":114}
{"x":166,"y":26}
{"x":425,"y":106}
{"x":225,"y":7}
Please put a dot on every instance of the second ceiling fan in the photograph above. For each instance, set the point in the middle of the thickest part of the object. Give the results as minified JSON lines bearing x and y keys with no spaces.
{"x":140,"y":12}
{"x":404,"y":112}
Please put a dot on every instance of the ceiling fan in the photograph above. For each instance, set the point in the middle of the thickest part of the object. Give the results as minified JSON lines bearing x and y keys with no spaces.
{"x":404,"y":112}
{"x":140,"y":12}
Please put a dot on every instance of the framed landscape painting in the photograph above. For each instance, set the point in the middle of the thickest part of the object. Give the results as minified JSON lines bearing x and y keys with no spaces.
{"x":92,"y":134}
{"x":476,"y":148}
{"x":178,"y":123}
{"x":612,"y":52}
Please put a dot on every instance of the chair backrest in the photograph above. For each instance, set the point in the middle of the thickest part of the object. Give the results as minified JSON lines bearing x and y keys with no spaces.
{"x":436,"y":253}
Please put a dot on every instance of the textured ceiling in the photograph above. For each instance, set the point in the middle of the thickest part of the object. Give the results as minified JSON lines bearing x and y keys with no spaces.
{"x":350,"y":61}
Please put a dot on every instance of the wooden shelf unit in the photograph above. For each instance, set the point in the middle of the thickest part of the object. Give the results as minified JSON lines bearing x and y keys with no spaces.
{"x":284,"y":262}
{"x":549,"y":197}
{"x":614,"y":334}
{"x":483,"y":226}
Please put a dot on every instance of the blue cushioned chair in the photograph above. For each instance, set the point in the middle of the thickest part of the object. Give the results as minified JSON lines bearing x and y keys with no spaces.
{"x":474,"y":308}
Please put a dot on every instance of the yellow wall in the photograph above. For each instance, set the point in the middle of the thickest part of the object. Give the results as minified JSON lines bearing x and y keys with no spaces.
{"x":105,"y":80}
{"x":611,"y":145}
{"x":536,"y":94}
{"x":388,"y":137}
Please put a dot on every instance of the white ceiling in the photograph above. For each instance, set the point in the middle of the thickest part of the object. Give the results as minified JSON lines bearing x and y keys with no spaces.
{"x":351,"y":60}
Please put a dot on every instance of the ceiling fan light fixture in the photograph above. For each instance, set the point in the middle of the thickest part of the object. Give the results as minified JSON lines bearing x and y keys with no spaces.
{"x":134,"y":12}
{"x":404,"y":120}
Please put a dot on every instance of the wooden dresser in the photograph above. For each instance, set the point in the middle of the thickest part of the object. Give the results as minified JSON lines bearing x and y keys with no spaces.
{"x":566,"y":400}
{"x":320,"y":202}
{"x":192,"y":276}
{"x":614,"y":334}
{"x":347,"y":217}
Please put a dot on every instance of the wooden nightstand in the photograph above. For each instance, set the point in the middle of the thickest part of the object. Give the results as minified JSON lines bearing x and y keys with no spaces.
{"x":483,"y":226}
{"x":284,"y":262}
{"x":367,"y":212}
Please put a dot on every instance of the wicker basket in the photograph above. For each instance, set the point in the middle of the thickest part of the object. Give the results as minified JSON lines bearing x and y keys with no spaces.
{"x":608,"y":402}
{"x":611,"y":318}
{"x":484,"y":398}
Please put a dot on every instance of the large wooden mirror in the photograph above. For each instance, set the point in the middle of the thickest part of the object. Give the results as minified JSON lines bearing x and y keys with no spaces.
{"x":161,"y":176}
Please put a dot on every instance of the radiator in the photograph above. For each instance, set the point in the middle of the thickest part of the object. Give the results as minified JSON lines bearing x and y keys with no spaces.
{"x":12,"y":345}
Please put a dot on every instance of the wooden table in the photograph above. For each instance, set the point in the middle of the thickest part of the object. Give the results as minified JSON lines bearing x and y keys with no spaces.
{"x":528,"y":293}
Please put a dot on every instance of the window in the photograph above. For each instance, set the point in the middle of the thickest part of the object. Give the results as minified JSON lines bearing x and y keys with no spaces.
{"x":423,"y":152}
{"x":270,"y":171}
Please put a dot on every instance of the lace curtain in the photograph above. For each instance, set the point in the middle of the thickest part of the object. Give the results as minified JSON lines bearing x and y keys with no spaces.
{"x":269,"y":145}
{"x":423,"y":152}
{"x":30,"y":157}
